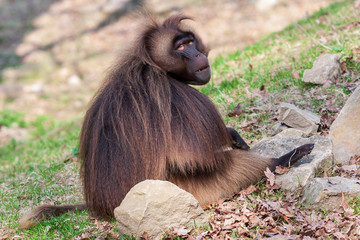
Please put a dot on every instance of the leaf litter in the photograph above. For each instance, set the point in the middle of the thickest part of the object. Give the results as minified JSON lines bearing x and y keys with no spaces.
{"x":262,"y":211}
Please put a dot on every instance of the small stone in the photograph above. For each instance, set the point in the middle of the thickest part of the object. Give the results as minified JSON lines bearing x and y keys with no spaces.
{"x":37,"y":88}
{"x":345,"y":130}
{"x":326,"y":68}
{"x":327,"y":192}
{"x":297,"y":118}
{"x":155,"y":206}
{"x":266,"y":5}
{"x":277,"y":128}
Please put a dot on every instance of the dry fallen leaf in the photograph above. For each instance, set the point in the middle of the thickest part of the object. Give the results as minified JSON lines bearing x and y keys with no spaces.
{"x":236,"y":112}
{"x":339,"y":235}
{"x":281,"y":170}
{"x":83,"y":236}
{"x":295,"y":75}
{"x":333,"y":181}
{"x":349,"y":167}
{"x":248,"y":190}
{"x":270,"y":176}
{"x":145,"y":236}
{"x":181,"y":231}
{"x":253,"y":221}
{"x":355,"y":160}
{"x":343,"y":202}
{"x":343,"y":67}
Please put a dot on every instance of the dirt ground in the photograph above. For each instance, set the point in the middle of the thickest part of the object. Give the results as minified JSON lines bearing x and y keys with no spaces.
{"x":54,"y":54}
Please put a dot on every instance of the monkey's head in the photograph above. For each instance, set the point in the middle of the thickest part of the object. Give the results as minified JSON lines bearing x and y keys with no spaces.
{"x":178,"y":51}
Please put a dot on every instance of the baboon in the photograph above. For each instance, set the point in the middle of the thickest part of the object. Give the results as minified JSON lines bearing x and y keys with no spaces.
{"x":146,"y":122}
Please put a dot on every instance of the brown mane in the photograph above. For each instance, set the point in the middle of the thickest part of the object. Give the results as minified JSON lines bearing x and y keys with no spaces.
{"x":145,"y":125}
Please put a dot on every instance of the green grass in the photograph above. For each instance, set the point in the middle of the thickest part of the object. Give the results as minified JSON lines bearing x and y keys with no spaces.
{"x":41,"y":167}
{"x":270,"y":63}
{"x":37,"y":169}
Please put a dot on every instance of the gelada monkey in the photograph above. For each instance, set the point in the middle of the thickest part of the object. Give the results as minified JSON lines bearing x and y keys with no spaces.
{"x":146,"y":122}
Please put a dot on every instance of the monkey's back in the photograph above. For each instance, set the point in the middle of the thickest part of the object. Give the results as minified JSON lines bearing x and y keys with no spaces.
{"x":146,"y":126}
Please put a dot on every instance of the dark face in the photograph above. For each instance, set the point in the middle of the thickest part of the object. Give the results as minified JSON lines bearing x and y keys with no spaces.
{"x":196,"y":69}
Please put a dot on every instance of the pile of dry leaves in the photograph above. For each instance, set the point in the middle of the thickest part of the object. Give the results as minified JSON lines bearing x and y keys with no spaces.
{"x":264,"y":211}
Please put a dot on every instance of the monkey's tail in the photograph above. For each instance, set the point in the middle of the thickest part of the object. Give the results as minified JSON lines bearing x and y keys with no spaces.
{"x":43,"y":212}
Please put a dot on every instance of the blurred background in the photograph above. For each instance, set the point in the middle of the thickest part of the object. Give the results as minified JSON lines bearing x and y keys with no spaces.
{"x":54,"y":53}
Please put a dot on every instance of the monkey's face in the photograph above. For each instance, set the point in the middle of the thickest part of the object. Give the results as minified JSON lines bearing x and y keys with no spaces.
{"x":195,"y":65}
{"x":182,"y":55}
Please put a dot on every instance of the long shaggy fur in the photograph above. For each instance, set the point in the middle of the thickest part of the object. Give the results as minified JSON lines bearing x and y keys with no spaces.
{"x":43,"y":212}
{"x":144,"y":124}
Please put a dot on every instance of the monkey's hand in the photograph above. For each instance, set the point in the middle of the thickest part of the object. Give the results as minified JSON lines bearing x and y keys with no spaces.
{"x":293,"y":156}
{"x":237,"y":141}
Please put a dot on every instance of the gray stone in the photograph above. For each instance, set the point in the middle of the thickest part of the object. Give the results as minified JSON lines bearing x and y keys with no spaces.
{"x":345,"y":130}
{"x":326,"y":192}
{"x":278,"y":127}
{"x":320,"y":158}
{"x":326,"y":68}
{"x":290,"y":133}
{"x":297,"y":118}
{"x":154,"y":206}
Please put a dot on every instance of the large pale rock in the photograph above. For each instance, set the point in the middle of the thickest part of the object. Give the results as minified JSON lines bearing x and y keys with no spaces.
{"x":327,"y":192}
{"x":326,"y":68}
{"x":345,"y":130}
{"x":154,"y":206}
{"x":304,"y":170}
{"x":297,"y":118}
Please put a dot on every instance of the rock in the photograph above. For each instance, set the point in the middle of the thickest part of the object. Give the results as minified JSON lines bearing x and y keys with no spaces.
{"x":37,"y":88}
{"x":326,"y":192}
{"x":277,"y":128}
{"x":154,"y":206}
{"x":326,"y":68}
{"x":297,"y":118}
{"x":74,"y":80}
{"x":291,"y":133}
{"x":320,"y":158}
{"x":266,"y":5}
{"x":345,"y":130}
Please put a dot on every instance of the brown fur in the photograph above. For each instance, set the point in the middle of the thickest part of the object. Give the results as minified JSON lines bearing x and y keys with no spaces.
{"x":43,"y":212}
{"x":144,"y":124}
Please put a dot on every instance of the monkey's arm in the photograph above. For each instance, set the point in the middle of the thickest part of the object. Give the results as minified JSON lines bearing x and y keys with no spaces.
{"x":237,"y":141}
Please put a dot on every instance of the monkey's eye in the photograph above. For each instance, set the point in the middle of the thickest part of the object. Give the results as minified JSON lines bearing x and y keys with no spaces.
{"x":180,"y":47}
